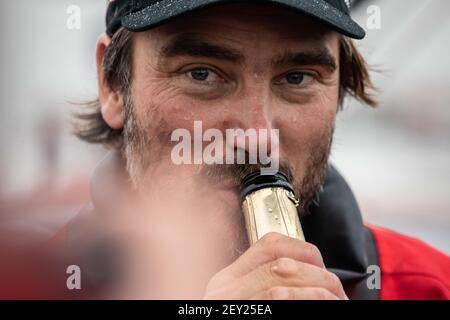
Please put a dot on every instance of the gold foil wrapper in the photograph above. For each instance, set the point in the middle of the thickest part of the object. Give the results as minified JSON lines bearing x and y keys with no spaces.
{"x":271,"y":210}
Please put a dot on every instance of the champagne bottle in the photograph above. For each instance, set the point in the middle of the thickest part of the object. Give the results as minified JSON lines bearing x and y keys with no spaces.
{"x":269,"y":205}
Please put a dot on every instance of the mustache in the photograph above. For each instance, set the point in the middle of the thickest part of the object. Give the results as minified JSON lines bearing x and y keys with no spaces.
{"x":235,"y":173}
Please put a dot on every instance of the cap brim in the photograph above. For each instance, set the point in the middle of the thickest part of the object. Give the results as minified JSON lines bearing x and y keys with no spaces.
{"x":162,"y":11}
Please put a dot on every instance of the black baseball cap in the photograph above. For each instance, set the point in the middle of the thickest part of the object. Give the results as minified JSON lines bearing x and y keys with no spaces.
{"x":141,"y":15}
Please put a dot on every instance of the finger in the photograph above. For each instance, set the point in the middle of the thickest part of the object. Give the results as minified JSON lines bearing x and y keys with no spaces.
{"x":286,"y":272}
{"x":293,"y":293}
{"x":272,"y":247}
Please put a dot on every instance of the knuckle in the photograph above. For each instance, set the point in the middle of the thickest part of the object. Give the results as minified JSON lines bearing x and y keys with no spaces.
{"x":271,"y":239}
{"x":270,"y":244}
{"x":285,"y":265}
{"x":313,"y":253}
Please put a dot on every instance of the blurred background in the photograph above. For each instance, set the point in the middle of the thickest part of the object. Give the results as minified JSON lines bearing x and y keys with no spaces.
{"x":396,"y":158}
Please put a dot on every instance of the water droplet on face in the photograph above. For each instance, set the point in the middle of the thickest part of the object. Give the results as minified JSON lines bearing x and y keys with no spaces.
{"x":270,"y":210}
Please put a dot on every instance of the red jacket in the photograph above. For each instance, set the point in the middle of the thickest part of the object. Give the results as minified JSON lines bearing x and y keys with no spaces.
{"x":410,"y":269}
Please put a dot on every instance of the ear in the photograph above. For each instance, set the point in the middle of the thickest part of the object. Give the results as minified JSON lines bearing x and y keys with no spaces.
{"x":111,"y":101}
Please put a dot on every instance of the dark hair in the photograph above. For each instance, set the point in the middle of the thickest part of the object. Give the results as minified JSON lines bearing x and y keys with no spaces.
{"x":355,"y":78}
{"x":88,"y":123}
{"x":90,"y":126}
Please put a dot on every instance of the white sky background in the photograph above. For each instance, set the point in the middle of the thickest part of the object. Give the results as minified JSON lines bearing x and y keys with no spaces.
{"x":397,"y":158}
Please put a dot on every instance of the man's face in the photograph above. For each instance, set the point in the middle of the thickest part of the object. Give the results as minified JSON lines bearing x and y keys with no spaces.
{"x":234,"y":66}
{"x":230,"y":67}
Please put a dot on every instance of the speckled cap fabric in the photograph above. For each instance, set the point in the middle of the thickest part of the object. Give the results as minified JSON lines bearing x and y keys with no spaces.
{"x":141,"y":15}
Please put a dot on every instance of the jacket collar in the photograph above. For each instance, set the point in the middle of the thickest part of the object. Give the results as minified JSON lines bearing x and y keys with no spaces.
{"x":335,"y":226}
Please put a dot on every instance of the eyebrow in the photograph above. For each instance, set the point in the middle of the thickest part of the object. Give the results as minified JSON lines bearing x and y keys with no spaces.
{"x":192,"y":47}
{"x":186,"y":46}
{"x":320,"y":57}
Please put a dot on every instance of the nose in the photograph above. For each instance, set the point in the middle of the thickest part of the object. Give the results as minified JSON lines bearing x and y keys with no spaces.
{"x":252,"y":116}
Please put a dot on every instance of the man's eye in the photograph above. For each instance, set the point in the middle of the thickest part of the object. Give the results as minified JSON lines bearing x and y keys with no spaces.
{"x":297,"y":78}
{"x":201,"y":74}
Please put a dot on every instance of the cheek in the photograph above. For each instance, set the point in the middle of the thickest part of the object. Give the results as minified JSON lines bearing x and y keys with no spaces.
{"x":307,"y":128}
{"x":156,"y":101}
{"x":159,"y":100}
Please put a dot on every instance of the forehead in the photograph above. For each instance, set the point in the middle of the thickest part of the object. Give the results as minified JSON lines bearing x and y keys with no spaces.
{"x":246,"y":24}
